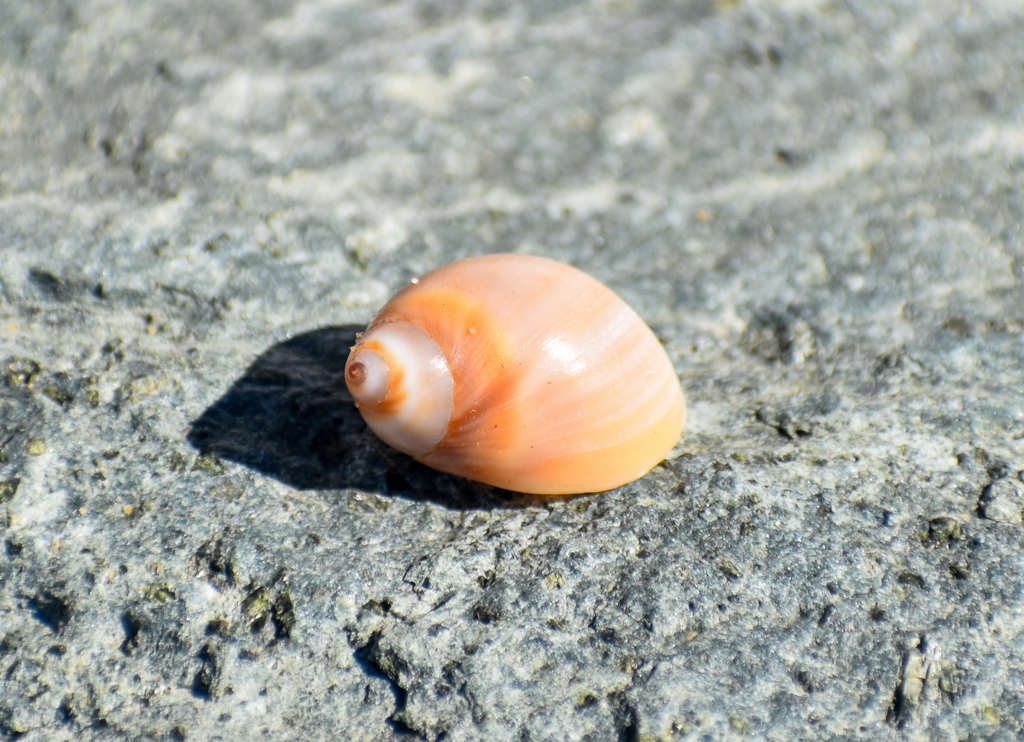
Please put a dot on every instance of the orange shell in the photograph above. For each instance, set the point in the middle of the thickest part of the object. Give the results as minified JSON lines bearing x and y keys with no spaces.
{"x":559,"y":387}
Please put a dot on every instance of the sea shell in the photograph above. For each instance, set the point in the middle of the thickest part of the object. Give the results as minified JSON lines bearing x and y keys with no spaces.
{"x":520,"y":372}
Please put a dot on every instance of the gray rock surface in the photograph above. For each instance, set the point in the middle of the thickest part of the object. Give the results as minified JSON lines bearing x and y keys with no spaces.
{"x":818,"y":206}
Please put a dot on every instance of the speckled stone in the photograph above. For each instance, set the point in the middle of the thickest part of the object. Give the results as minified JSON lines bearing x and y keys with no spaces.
{"x":817,"y":206}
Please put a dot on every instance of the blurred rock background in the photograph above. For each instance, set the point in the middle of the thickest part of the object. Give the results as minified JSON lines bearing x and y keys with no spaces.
{"x":816,"y":204}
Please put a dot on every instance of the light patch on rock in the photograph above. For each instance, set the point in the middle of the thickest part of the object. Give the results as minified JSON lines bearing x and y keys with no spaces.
{"x":246,"y":93}
{"x":295,"y":138}
{"x":582,"y":202}
{"x":370,"y":293}
{"x":902,"y":43}
{"x":669,"y":72}
{"x":811,"y":270}
{"x":230,"y":169}
{"x":238,"y":101}
{"x":35,"y":505}
{"x":501,"y":199}
{"x":636,"y":126}
{"x":433,"y":93}
{"x":957,"y":255}
{"x":489,"y":34}
{"x":381,"y":239}
{"x":790,"y":6}
{"x":170,"y":147}
{"x":856,"y":153}
{"x":1002,"y":501}
{"x":705,"y":418}
{"x":305,"y":21}
{"x":167,"y":213}
{"x":370,"y":173}
{"x":1004,"y":139}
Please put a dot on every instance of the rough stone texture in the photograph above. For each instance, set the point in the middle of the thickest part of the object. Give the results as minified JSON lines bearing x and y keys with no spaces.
{"x":816,"y":204}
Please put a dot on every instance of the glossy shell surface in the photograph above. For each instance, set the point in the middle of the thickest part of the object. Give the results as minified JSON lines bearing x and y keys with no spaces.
{"x":558,"y":386}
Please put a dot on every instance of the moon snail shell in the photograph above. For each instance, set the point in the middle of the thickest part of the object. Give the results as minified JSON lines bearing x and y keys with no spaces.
{"x":520,"y":372}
